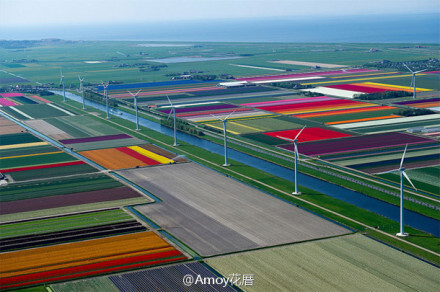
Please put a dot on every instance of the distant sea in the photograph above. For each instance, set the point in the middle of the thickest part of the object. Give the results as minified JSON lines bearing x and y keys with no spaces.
{"x":420,"y":28}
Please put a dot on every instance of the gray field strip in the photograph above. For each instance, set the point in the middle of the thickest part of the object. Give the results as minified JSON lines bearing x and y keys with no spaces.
{"x":106,"y":144}
{"x":47,"y":129}
{"x":347,"y":263}
{"x":214,"y":214}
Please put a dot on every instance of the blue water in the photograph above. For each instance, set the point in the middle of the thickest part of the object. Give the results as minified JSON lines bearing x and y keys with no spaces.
{"x":149,"y":84}
{"x":173,"y":60}
{"x":416,"y":28}
{"x":387,"y":210}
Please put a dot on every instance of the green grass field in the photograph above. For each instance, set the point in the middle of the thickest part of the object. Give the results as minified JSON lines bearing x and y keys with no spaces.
{"x":36,"y":160}
{"x":426,"y":178}
{"x":82,"y":126}
{"x":36,"y":111}
{"x":71,"y":58}
{"x":27,"y":150}
{"x":11,"y":139}
{"x":106,"y":144}
{"x":52,"y":172}
{"x":59,"y":186}
{"x":74,"y":209}
{"x":63,"y":223}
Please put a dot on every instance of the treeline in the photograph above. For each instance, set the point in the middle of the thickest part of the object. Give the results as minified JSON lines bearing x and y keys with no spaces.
{"x":99,"y":98}
{"x":382,"y":95}
{"x":290,"y":85}
{"x":150,"y":68}
{"x":206,"y":77}
{"x":415,"y":112}
{"x":431,"y":64}
{"x":181,"y":126}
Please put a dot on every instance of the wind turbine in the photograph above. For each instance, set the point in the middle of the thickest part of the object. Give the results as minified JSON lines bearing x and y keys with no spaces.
{"x":225,"y":136}
{"x":173,"y":110}
{"x":402,"y":174}
{"x":413,"y":79}
{"x":81,"y":88}
{"x":62,"y":82}
{"x":136,"y":106}
{"x":296,"y":192}
{"x":105,"y":85}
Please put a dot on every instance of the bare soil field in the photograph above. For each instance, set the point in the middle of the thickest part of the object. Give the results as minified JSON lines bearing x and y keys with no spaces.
{"x":214,"y":214}
{"x":8,"y":127}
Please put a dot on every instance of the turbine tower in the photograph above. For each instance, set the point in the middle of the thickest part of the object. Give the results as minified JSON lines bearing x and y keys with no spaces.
{"x":136,"y":106}
{"x":62,"y":82}
{"x":173,"y":110}
{"x":413,"y":79}
{"x":81,"y":88}
{"x":402,"y":174}
{"x":296,"y":192}
{"x":225,"y":136}
{"x":105,"y":85}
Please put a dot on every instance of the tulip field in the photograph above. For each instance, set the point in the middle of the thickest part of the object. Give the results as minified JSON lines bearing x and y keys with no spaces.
{"x":319,"y":104}
{"x":125,"y":157}
{"x":308,"y":134}
{"x":85,"y":258}
{"x":433,"y":103}
{"x":94,"y":203}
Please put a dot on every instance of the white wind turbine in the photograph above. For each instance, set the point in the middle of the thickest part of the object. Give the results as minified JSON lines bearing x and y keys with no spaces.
{"x":402,"y":174}
{"x":413,"y":78}
{"x":296,"y":192}
{"x":62,"y":82}
{"x":224,"y":120}
{"x":173,"y":110}
{"x":105,"y":85}
{"x":136,"y":106}
{"x":81,"y":88}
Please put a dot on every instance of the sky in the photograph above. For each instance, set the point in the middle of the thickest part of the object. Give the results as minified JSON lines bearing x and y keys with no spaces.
{"x":31,"y":13}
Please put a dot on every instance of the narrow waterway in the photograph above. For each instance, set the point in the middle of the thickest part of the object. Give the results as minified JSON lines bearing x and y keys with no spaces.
{"x":390,"y":211}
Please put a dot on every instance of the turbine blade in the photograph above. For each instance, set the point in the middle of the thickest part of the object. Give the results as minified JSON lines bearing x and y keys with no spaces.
{"x":408,"y":68}
{"x":286,"y":139}
{"x":138,"y":92}
{"x":407,"y":178}
{"x":403,"y":156}
{"x":130,"y":93}
{"x":420,"y":71}
{"x":412,"y":81}
{"x":217,"y":118}
{"x":169,"y":100}
{"x":389,"y":171}
{"x":227,"y":117}
{"x":296,"y":149}
{"x":299,"y":133}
